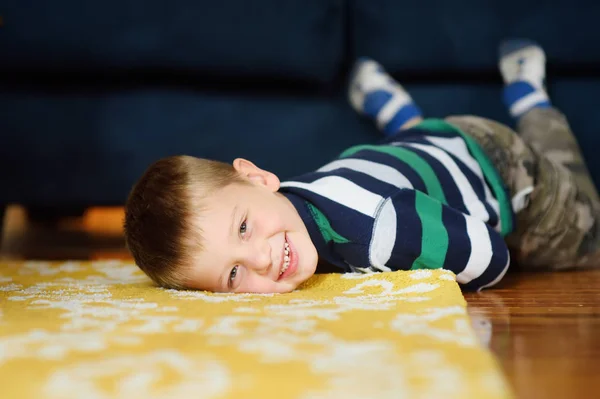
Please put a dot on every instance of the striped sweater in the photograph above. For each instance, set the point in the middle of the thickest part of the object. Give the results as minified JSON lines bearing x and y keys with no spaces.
{"x":425,"y":198}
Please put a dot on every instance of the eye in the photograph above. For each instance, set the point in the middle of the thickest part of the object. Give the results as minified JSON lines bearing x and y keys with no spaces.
{"x":243,"y":228}
{"x":232,"y":275}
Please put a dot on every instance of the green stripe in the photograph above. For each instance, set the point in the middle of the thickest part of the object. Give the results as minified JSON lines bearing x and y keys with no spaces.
{"x":328,"y":233}
{"x":418,"y":164}
{"x":434,"y":237}
{"x":488,"y":168}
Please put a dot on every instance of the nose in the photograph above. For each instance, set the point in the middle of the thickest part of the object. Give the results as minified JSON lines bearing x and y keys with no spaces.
{"x":259,"y":257}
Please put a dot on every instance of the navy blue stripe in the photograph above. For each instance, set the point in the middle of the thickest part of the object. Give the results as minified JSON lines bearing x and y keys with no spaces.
{"x":413,"y":134}
{"x":494,"y":217}
{"x":408,"y":231}
{"x":459,"y":245}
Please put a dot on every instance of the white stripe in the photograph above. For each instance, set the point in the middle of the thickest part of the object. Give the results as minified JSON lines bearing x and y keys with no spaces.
{"x":481,"y":251}
{"x":500,"y":276}
{"x":457,"y":147}
{"x":474,"y":205}
{"x":342,"y":191}
{"x":528,"y":101}
{"x":376,"y":170}
{"x":384,"y":237}
{"x":391,"y":108}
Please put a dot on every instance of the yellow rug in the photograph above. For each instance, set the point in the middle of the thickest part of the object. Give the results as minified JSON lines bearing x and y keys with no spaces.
{"x":100,"y":330}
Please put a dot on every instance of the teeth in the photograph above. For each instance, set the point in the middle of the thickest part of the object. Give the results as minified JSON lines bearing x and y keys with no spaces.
{"x":286,"y":258}
{"x":286,"y":264}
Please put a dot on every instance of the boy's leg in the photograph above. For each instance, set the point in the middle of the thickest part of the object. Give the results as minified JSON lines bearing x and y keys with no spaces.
{"x":560,"y":227}
{"x":372,"y":92}
{"x":545,"y":128}
{"x":548,"y":132}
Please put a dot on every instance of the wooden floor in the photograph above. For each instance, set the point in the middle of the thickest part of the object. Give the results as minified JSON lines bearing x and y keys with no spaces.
{"x":543,"y":328}
{"x":546,"y":332}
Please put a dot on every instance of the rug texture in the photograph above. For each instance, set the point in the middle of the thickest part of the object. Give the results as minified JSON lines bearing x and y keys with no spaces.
{"x":100,"y":330}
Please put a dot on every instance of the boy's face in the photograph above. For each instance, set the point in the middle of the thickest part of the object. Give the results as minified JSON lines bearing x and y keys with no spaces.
{"x":254,"y":239}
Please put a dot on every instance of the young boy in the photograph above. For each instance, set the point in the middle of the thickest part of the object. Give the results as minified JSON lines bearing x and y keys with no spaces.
{"x":453,"y":194}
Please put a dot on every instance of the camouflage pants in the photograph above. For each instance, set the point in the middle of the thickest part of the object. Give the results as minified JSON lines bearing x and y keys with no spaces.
{"x":556,"y":203}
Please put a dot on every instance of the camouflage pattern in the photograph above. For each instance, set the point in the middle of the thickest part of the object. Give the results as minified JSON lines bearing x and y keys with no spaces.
{"x":547,"y":131}
{"x":558,"y":226}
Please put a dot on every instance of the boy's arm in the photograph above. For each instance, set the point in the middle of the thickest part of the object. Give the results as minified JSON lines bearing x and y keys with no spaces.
{"x":415,"y":231}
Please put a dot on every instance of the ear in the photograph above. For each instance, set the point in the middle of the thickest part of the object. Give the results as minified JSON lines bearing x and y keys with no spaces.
{"x":256,"y":174}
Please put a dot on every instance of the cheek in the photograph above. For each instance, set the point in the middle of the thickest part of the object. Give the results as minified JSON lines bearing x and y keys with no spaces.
{"x":253,"y":283}
{"x":271,"y":222}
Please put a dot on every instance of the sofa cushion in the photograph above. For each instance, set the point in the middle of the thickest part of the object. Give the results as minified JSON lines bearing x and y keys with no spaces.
{"x":296,"y":39}
{"x":91,"y":146}
{"x":438,"y":35}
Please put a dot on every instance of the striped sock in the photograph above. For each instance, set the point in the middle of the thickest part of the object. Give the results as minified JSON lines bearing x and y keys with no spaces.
{"x":374,"y":93}
{"x":523,"y":67}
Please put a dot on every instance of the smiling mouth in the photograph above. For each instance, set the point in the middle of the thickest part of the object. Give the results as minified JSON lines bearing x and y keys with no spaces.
{"x":286,"y":258}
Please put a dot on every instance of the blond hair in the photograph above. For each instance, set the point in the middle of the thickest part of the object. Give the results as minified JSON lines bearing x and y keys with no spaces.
{"x":159,"y":214}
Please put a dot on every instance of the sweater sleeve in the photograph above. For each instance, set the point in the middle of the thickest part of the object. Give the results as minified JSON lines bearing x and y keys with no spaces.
{"x":415,"y":231}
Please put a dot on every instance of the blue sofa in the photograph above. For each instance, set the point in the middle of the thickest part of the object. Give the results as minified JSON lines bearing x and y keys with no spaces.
{"x":92,"y":92}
